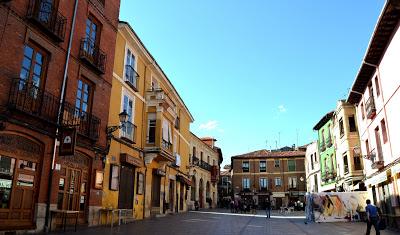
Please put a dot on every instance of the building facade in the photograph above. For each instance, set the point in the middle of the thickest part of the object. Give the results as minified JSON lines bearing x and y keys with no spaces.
{"x":349,"y":165}
{"x":375,"y":93}
{"x":313,"y":168}
{"x":204,"y":170}
{"x":327,"y":153}
{"x":56,"y":73}
{"x":278,"y":176}
{"x":225,"y":193}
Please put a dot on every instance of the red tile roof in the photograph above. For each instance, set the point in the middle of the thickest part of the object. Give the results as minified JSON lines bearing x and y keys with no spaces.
{"x":274,"y":154}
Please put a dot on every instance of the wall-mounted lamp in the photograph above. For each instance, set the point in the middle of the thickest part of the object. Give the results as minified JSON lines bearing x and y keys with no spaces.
{"x":123,"y":117}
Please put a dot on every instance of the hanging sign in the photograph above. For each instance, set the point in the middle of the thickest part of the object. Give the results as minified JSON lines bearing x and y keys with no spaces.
{"x":67,"y":141}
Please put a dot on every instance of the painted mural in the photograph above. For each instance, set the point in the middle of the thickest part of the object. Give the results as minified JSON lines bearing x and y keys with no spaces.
{"x":336,"y":206}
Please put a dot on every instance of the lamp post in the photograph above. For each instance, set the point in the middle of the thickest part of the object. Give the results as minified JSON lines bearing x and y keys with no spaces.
{"x":123,"y":117}
{"x":298,"y":188}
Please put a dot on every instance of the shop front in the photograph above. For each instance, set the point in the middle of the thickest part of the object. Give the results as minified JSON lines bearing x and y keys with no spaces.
{"x":20,"y":167}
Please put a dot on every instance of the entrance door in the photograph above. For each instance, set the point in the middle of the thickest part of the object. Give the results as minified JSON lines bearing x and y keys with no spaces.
{"x":18,"y":181}
{"x":181,"y":197}
{"x":171,"y":194}
{"x":126,"y":190}
{"x":72,"y":191}
{"x":278,"y":203}
{"x":155,"y":192}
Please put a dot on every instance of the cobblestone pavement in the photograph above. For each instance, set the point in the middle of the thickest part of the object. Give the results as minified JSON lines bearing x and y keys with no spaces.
{"x":221,"y":222}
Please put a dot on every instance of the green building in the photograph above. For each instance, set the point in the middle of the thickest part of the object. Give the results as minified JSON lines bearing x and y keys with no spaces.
{"x":327,"y":155}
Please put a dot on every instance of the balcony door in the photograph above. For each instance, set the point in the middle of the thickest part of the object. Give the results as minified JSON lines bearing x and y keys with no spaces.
{"x":91,"y":36}
{"x":46,"y":11}
{"x":32,"y":76}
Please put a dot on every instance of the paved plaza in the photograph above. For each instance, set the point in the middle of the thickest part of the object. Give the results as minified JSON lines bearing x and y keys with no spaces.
{"x":221,"y":222}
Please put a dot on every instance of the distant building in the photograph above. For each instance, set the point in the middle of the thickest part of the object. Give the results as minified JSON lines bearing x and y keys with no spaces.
{"x":225,"y":186}
{"x":263,"y":175}
{"x":313,"y":168}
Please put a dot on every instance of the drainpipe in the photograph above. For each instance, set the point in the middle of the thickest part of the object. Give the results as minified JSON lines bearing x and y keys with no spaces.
{"x":142,"y":145}
{"x":60,"y":111}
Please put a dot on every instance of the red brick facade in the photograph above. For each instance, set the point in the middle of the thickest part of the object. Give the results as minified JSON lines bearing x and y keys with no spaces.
{"x":279,"y":195}
{"x":28,"y":110}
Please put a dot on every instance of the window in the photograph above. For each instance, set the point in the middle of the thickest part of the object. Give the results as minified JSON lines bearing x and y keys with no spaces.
{"x":341,"y":128}
{"x":208,"y":159}
{"x":323,"y":137}
{"x":128,"y":128}
{"x":378,"y":92}
{"x":201,"y":156}
{"x":292,"y":182}
{"x":91,"y":36}
{"x":277,"y":163}
{"x":83,"y":98}
{"x":367,"y":147}
{"x":114,"y":177}
{"x":263,"y":166}
{"x":362,"y":111}
{"x":245,"y":166}
{"x":151,"y":130}
{"x":315,"y":157}
{"x":384,"y":132}
{"x":246,"y":183}
{"x":378,"y":144}
{"x":357,"y":163}
{"x":154,"y":83}
{"x":345,"y":164}
{"x":291,"y":165}
{"x":166,"y":134}
{"x":278,"y":181}
{"x":6,"y":180}
{"x":32,"y":70}
{"x":194,"y":151}
{"x":130,"y":68}
{"x":352,"y":124}
{"x":46,"y":11}
{"x":263,"y":183}
{"x":312,"y":161}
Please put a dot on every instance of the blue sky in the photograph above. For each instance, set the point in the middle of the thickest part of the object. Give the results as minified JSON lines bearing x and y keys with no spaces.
{"x":256,"y":73}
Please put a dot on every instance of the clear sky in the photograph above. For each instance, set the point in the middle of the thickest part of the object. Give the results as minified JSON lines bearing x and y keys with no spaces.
{"x":256,"y":73}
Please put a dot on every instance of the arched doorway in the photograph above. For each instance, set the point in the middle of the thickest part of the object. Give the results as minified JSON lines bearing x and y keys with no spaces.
{"x":208,"y":194}
{"x":193,"y":189}
{"x":201,"y":193}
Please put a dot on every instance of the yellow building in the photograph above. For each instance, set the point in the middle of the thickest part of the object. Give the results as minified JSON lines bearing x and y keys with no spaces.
{"x":157,"y":152}
{"x":204,"y":170}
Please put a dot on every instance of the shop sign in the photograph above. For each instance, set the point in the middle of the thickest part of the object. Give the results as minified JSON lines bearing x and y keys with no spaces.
{"x":126,"y":158}
{"x":67,"y":143}
{"x":396,"y":169}
{"x":278,"y":194}
{"x":381,"y":177}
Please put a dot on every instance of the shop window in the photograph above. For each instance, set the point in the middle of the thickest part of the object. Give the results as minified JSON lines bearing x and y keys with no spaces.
{"x":6,"y":178}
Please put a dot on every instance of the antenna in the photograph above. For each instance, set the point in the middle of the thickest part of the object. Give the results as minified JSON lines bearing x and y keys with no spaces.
{"x":279,"y":139}
{"x":297,"y":137}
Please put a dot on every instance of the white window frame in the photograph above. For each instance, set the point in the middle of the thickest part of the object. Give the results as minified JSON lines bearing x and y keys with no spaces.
{"x":126,"y":93}
{"x":244,"y":181}
{"x":280,"y":181}
{"x":292,"y":182}
{"x":266,"y":182}
{"x":127,"y":47}
{"x":148,"y":127}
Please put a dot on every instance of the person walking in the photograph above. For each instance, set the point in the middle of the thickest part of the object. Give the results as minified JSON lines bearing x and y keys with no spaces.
{"x":268,"y":208}
{"x":372,"y":217}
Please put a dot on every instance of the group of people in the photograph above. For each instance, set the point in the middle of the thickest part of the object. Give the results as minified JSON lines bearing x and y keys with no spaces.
{"x":243,"y":206}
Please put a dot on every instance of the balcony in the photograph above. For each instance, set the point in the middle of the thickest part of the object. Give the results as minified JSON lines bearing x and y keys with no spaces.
{"x":30,"y":99}
{"x":131,"y":77}
{"x":166,"y":145}
{"x":376,"y":159}
{"x":48,"y":18}
{"x":93,"y":55}
{"x":328,"y":142}
{"x":87,"y":124}
{"x":370,"y":107}
{"x":128,"y":132}
{"x":195,"y":160}
{"x":204,"y":165}
{"x":322,"y":147}
{"x":158,"y":97}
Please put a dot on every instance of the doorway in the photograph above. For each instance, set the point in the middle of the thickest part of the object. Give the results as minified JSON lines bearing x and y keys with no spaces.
{"x":171,"y":194}
{"x":126,"y":189}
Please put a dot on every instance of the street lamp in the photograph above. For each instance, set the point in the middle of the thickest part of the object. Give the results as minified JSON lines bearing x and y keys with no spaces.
{"x":123,"y":117}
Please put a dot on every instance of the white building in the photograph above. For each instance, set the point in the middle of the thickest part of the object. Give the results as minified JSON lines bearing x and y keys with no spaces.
{"x":376,"y":94}
{"x":313,"y":168}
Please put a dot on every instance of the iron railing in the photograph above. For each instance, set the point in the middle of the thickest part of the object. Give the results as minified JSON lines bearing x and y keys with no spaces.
{"x":90,"y":52}
{"x":128,"y":131}
{"x":376,"y":159}
{"x":87,"y":124}
{"x":28,"y":98}
{"x":131,"y":77}
{"x":205,"y":166}
{"x":48,"y":17}
{"x":370,"y":107}
{"x":166,"y":145}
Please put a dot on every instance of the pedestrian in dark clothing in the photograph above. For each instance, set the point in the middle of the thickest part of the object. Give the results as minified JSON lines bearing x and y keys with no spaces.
{"x":372,"y":217}
{"x":268,"y":208}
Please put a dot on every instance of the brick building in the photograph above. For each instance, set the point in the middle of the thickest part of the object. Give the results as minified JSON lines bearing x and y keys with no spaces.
{"x":263,"y":175}
{"x":55,"y":72}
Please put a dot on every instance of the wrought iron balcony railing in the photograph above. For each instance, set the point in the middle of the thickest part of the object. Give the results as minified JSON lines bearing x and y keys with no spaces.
{"x":205,"y":165}
{"x":376,"y":159}
{"x":47,"y":16}
{"x":87,"y":124}
{"x":91,"y":53}
{"x":28,"y":98}
{"x":166,"y":145}
{"x":128,"y":131}
{"x":370,"y":107}
{"x":131,"y":77}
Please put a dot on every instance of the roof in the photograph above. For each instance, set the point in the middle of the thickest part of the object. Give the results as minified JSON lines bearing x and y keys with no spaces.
{"x":268,"y":154}
{"x":383,"y":33}
{"x":323,"y":120}
{"x":158,"y":66}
